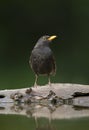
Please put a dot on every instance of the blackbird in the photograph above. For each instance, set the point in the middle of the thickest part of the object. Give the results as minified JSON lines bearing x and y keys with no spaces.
{"x":42,"y":60}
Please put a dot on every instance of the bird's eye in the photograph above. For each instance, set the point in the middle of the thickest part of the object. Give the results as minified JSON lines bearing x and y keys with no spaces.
{"x":45,"y":38}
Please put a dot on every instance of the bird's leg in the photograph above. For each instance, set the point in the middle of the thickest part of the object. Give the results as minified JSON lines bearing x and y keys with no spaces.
{"x":36,"y":122}
{"x":49,"y":82}
{"x":36,"y":78}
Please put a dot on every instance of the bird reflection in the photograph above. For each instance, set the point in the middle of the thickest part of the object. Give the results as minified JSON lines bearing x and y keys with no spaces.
{"x":33,"y":110}
{"x":45,"y":126}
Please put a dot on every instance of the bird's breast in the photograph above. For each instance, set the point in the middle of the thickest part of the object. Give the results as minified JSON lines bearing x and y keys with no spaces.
{"x":42,"y":60}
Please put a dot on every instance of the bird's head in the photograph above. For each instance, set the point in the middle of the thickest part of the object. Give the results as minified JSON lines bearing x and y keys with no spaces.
{"x":45,"y":40}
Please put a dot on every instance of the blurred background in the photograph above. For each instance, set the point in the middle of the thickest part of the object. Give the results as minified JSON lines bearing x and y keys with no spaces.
{"x":21,"y":25}
{"x":22,"y":22}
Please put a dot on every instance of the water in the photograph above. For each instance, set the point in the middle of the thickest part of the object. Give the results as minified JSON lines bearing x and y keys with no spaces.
{"x":24,"y":123}
{"x":36,"y":117}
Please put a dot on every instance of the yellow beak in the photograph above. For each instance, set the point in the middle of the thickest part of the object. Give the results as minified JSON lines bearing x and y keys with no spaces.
{"x":52,"y":37}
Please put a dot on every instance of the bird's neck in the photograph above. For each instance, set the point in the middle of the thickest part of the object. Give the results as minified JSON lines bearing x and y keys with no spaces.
{"x":40,"y":46}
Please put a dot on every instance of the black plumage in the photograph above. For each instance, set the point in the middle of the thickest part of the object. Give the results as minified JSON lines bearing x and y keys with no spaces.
{"x":42,"y":60}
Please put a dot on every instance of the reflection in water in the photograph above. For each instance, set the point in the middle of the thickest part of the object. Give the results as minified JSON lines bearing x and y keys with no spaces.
{"x":33,"y":110}
{"x":17,"y":108}
{"x":48,"y":125}
{"x":2,"y":108}
{"x":41,"y":111}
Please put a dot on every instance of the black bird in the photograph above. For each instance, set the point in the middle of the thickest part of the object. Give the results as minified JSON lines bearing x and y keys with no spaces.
{"x":42,"y":60}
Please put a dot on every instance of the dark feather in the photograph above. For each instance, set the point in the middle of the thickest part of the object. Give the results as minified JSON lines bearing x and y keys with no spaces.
{"x":42,"y":61}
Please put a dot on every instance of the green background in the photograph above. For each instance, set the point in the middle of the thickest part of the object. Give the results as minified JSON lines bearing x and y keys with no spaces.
{"x":21,"y":25}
